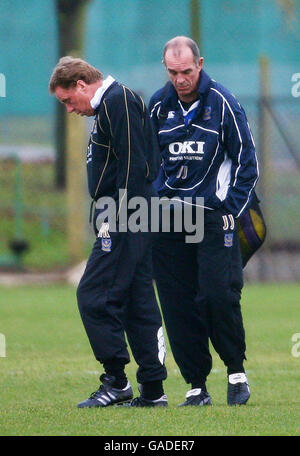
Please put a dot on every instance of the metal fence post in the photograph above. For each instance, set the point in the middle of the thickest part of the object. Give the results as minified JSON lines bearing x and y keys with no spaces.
{"x":264,"y":185}
{"x":75,"y":186}
{"x":195,"y":22}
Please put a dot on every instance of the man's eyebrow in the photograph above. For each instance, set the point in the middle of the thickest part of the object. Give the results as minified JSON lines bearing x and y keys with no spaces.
{"x":64,"y":100}
{"x":175,"y":71}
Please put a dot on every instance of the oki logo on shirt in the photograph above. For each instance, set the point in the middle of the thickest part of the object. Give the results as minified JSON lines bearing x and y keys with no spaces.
{"x":187,"y":147}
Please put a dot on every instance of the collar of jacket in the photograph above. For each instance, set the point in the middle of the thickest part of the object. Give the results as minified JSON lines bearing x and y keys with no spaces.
{"x":170,"y":100}
{"x":113,"y":84}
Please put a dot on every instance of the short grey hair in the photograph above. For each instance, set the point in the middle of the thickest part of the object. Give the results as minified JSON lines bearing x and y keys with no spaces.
{"x":178,"y":43}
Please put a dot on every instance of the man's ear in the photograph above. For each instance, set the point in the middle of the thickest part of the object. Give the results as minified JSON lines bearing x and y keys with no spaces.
{"x":81,"y":85}
{"x":200,"y":62}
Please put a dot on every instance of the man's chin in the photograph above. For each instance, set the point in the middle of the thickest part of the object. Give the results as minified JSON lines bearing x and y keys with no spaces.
{"x":185,"y":92}
{"x":87,"y":114}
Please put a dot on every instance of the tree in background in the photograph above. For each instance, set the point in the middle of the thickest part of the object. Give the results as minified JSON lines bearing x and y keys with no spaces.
{"x":71,"y":19}
{"x":70,"y":130}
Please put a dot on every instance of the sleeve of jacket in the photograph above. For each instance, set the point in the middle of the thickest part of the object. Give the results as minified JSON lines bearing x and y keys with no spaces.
{"x":153,"y":106}
{"x":152,"y":151}
{"x":240,"y":146}
{"x":124,"y":115}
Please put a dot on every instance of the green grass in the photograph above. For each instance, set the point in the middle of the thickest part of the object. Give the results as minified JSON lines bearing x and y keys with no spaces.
{"x":49,"y":368}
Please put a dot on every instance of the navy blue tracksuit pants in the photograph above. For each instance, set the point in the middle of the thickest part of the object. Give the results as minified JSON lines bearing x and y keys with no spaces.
{"x":199,"y":287}
{"x":116,"y":296}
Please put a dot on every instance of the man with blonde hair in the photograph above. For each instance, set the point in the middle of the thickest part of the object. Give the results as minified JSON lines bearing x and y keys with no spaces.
{"x":115,"y":294}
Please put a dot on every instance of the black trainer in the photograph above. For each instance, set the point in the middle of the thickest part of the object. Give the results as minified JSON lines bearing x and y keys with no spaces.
{"x":142,"y":402}
{"x":197,"y":397}
{"x":238,"y":391}
{"x":107,"y":395}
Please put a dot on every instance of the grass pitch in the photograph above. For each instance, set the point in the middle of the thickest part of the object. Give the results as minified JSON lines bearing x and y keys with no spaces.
{"x":49,"y":367}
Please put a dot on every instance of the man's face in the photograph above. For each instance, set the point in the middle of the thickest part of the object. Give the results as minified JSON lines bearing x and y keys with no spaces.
{"x":76,"y":98}
{"x":184,"y":72}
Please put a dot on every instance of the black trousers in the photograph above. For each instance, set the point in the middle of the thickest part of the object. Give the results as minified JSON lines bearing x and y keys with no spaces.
{"x":116,"y":296}
{"x":199,"y":287}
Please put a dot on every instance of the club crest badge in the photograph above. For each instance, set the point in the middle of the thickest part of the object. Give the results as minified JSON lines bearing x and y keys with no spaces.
{"x":106,"y":244}
{"x":228,"y":239}
{"x":207,"y":112}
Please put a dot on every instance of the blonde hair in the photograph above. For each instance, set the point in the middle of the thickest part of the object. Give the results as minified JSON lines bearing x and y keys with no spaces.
{"x":69,"y":70}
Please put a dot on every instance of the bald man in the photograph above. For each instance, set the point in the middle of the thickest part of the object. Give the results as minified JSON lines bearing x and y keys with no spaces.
{"x":208,"y":155}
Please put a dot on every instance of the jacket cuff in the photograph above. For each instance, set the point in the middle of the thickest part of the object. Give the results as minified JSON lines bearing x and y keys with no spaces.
{"x":214,"y":202}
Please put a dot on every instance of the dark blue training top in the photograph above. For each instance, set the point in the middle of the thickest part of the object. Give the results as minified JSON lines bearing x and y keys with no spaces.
{"x":207,"y":151}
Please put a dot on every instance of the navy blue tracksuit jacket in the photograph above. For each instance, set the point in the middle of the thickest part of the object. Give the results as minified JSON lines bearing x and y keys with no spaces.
{"x":207,"y":150}
{"x":211,"y":153}
{"x":115,"y":294}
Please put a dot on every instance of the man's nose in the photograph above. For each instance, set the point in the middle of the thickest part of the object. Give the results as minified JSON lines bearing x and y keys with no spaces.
{"x":69,"y":109}
{"x":180,"y":79}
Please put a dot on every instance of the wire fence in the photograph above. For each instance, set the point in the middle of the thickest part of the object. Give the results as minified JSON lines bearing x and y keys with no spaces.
{"x":274,"y":123}
{"x":32,"y":209}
